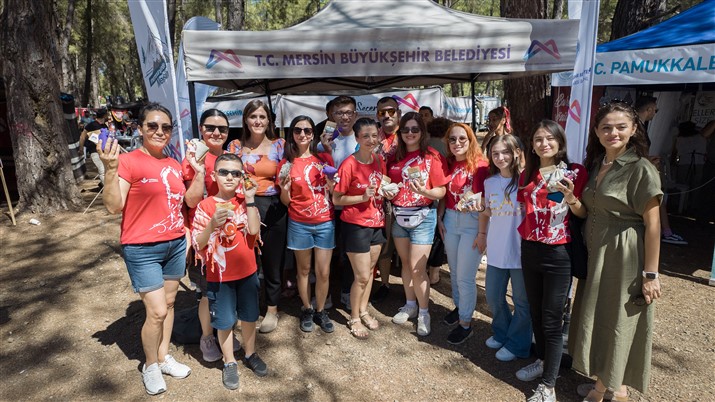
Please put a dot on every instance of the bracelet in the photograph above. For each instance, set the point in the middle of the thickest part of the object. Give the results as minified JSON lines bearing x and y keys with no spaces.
{"x":572,"y":203}
{"x":251,"y":204}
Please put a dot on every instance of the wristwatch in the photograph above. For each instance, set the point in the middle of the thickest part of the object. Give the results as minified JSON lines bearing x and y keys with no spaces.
{"x":650,"y":275}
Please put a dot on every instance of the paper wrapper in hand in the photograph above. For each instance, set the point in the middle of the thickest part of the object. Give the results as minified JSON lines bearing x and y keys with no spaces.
{"x":414,"y":173}
{"x":552,"y":175}
{"x":387,"y":186}
{"x":331,"y":129}
{"x":468,"y":200}
{"x":229,"y":206}
{"x":284,"y":172}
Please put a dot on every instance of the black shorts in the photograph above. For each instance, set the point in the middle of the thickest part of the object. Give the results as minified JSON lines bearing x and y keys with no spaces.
{"x":358,"y":239}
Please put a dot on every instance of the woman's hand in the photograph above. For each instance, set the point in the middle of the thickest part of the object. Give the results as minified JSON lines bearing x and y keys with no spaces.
{"x":285,"y":184}
{"x":651,"y":289}
{"x":110,"y":159}
{"x":325,"y":139}
{"x":370,"y":192}
{"x":198,"y":166}
{"x":330,"y":184}
{"x":567,"y":189}
{"x":441,"y":228}
{"x":480,"y":242}
{"x":418,"y":186}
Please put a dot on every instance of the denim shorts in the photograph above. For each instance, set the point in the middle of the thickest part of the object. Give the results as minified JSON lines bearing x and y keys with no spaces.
{"x":305,"y":236}
{"x":422,"y":234}
{"x":233,"y":301}
{"x":151,"y":263}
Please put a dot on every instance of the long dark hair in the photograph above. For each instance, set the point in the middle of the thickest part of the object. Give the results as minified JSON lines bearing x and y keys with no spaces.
{"x":595,"y":151}
{"x":212,"y":113}
{"x":532,"y":159}
{"x":251,"y":107}
{"x":424,"y":136}
{"x":291,"y":147}
{"x":512,"y":145}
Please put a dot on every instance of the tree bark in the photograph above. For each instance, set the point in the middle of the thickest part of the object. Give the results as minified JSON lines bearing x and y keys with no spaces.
{"x":171,"y":15}
{"x":68,"y":81}
{"x":88,"y":55}
{"x":525,"y":97}
{"x":236,"y":14}
{"x":629,"y":16}
{"x":558,"y":10}
{"x":37,"y":130}
{"x":218,"y":12}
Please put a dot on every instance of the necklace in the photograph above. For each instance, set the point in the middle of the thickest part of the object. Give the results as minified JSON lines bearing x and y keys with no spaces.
{"x":604,"y":163}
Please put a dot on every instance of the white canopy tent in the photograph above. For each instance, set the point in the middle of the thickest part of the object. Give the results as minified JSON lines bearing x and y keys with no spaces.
{"x":371,"y":44}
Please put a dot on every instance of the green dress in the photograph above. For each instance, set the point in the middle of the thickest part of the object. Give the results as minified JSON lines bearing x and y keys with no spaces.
{"x":611,"y":336}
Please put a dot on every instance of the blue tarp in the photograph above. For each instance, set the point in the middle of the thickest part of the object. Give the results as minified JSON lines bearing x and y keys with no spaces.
{"x":693,"y":26}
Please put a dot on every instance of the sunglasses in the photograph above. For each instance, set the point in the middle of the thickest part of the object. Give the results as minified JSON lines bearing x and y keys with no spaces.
{"x":414,"y":130}
{"x":226,"y":172}
{"x":297,"y":130}
{"x":384,"y":112}
{"x":152,"y":128}
{"x":461,"y":140}
{"x":210,"y":128}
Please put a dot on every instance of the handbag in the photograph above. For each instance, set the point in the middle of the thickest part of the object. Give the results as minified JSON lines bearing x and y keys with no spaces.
{"x":410,"y":217}
{"x":577,"y":248}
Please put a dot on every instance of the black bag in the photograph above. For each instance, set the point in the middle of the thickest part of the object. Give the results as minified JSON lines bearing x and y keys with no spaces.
{"x":187,"y":327}
{"x":577,"y":248}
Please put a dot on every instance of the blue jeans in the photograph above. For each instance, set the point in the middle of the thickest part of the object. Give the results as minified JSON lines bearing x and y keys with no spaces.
{"x":461,"y":230}
{"x":513,"y":330}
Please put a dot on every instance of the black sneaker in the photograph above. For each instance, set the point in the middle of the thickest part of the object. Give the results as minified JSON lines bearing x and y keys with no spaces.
{"x":380,"y":294}
{"x":256,"y":364}
{"x":230,"y":375}
{"x":306,"y":319}
{"x":452,"y":317}
{"x":321,"y":318}
{"x":459,"y":335}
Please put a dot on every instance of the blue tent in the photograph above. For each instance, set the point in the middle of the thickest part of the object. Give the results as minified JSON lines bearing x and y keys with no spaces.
{"x":693,"y":26}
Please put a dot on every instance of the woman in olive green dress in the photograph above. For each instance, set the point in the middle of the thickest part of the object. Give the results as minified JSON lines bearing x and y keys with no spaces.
{"x":612,"y":320}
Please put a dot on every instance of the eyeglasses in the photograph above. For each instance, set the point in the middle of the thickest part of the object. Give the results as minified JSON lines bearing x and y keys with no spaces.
{"x":152,"y":128}
{"x":298,"y":130}
{"x":226,"y":172}
{"x":461,"y":140}
{"x":413,"y":129}
{"x":390,"y":111}
{"x":345,"y":113}
{"x":210,"y":128}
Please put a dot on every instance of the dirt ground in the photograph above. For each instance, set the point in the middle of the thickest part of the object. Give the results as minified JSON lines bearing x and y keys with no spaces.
{"x":70,"y":322}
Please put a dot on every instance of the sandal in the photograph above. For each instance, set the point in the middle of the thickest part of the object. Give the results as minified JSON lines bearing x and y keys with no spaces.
{"x":357,"y":329}
{"x":369,"y":321}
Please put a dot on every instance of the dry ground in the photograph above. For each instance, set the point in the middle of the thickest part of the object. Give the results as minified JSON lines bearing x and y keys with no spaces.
{"x":69,"y":325}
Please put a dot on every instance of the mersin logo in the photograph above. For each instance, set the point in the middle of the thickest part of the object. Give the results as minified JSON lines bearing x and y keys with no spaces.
{"x":228,"y":55}
{"x":409,"y":101}
{"x":549,"y":47}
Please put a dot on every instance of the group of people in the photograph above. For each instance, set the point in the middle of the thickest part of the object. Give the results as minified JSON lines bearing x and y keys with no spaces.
{"x":373,"y":187}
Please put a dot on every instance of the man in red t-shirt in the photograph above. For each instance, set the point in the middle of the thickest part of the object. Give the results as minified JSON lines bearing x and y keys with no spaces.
{"x":224,"y":232}
{"x":388,"y":114}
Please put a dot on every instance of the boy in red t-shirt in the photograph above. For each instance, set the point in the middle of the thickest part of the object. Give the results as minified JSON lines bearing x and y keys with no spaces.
{"x":223,"y":233}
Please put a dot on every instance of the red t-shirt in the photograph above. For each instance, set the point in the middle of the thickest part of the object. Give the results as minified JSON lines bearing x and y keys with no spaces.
{"x":353,"y":178}
{"x":433,"y":169}
{"x":310,"y":200}
{"x":547,"y":221}
{"x":463,"y":181}
{"x":228,"y":256}
{"x":152,"y":211}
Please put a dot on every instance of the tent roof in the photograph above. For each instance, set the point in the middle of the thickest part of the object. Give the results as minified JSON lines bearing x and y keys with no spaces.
{"x":693,"y":26}
{"x":371,"y":44}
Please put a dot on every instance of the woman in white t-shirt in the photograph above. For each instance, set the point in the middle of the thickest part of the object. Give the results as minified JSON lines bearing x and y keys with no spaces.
{"x":512,"y":331}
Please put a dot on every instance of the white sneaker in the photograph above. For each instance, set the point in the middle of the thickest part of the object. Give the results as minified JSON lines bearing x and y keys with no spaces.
{"x":153,"y":381}
{"x":423,"y":324}
{"x":345,"y":300}
{"x":543,"y":394}
{"x":505,"y":355}
{"x":173,"y":368}
{"x":405,"y":313}
{"x":209,"y":349}
{"x":532,"y":371}
{"x":493,"y":343}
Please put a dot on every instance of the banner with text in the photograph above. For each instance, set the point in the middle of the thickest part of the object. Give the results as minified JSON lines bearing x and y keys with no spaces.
{"x":151,"y":31}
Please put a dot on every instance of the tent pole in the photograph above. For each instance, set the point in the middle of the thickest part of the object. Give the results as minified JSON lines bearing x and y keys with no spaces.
{"x":270,"y":102}
{"x":194,"y":114}
{"x":474,"y":104}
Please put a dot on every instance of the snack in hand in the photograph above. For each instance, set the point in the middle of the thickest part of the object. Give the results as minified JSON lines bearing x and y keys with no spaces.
{"x":284,"y":172}
{"x":468,"y":200}
{"x":227,"y":205}
{"x":329,"y":171}
{"x":414,"y":173}
{"x":387,"y":186}
{"x":332,"y":129}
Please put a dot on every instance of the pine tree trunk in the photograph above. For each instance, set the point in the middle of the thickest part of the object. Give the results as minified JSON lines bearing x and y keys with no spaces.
{"x":37,"y":130}
{"x":236,"y":14}
{"x":633,"y":16}
{"x":65,"y":35}
{"x":525,"y":97}
{"x":86,"y":95}
{"x":171,"y":14}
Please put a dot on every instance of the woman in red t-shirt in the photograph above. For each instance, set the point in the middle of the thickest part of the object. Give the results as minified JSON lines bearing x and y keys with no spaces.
{"x":305,"y":190}
{"x":550,"y":189}
{"x":420,"y":172}
{"x":261,"y":151}
{"x":147,"y":187}
{"x":357,"y":188}
{"x":458,"y":224}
